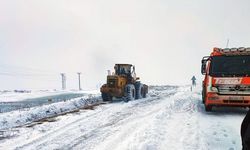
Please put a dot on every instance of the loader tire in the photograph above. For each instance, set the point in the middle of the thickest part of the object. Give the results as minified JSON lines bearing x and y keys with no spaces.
{"x":139,"y":90}
{"x":145,"y":91}
{"x":129,"y":92}
{"x":106,"y":97}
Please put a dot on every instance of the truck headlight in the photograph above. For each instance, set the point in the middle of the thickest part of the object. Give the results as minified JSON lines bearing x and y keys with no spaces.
{"x":214,"y":89}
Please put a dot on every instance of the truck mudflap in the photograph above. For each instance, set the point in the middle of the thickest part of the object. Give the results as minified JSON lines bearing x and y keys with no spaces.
{"x":213,"y":99}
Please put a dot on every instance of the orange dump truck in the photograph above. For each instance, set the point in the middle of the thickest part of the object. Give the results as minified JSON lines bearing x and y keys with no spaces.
{"x":227,"y":78}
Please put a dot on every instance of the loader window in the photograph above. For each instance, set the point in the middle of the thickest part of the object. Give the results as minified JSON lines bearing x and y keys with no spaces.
{"x":230,"y":66}
{"x":123,"y":69}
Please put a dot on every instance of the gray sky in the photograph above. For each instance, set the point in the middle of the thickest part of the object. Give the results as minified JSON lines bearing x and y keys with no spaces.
{"x":165,"y":39}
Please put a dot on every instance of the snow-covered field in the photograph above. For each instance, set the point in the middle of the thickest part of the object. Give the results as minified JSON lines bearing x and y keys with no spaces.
{"x":34,"y":107}
{"x":169,"y":118}
{"x":10,"y":101}
{"x":12,"y":96}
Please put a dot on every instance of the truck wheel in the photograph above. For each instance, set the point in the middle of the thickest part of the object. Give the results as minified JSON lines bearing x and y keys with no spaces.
{"x":129,"y":92}
{"x":208,"y":108}
{"x":139,"y":90}
{"x":106,"y":97}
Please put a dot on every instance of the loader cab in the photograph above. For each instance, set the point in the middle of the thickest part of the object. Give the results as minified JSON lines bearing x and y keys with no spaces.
{"x":124,"y":69}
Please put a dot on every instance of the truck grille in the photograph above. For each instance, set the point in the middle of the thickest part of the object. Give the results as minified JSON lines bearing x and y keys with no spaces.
{"x":235,"y":101}
{"x":234,"y":89}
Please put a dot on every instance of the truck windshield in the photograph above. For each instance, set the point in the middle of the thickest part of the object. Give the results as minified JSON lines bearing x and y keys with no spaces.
{"x":229,"y":66}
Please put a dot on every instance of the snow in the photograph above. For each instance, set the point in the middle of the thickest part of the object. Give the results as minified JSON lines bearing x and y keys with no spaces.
{"x":12,"y":96}
{"x":170,"y":117}
{"x":28,"y":115}
{"x":10,"y":101}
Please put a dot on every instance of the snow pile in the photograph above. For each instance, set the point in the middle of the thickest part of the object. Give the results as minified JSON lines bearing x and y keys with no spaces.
{"x":162,"y":91}
{"x":22,"y":117}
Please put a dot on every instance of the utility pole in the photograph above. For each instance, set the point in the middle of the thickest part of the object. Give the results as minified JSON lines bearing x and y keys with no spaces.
{"x":63,"y":81}
{"x":79,"y":79}
{"x":227,"y":43}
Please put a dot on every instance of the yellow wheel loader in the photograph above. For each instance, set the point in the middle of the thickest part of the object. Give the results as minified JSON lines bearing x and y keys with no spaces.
{"x":123,"y":83}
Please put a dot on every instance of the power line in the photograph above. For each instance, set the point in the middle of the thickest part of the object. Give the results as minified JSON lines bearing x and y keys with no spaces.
{"x":38,"y":75}
{"x":29,"y":76}
{"x":4,"y":66}
{"x":23,"y":74}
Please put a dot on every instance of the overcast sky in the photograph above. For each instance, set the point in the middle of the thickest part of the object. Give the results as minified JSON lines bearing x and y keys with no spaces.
{"x":164,"y":39}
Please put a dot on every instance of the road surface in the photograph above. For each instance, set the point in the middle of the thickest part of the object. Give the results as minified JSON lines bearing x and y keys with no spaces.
{"x":171,"y":117}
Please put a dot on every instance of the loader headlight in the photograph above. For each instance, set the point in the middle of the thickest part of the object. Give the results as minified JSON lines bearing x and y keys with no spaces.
{"x":214,"y":89}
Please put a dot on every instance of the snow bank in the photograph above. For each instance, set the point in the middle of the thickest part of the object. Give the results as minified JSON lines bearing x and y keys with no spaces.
{"x":22,"y":117}
{"x":12,"y":96}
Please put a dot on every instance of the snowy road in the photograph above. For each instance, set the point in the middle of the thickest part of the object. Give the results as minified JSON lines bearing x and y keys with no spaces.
{"x":170,"y":118}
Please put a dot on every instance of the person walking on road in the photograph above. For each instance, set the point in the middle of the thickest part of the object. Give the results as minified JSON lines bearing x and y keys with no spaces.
{"x":193,"y":81}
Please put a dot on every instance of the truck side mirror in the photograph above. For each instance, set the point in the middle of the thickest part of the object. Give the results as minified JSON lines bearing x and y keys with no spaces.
{"x":204,"y":64}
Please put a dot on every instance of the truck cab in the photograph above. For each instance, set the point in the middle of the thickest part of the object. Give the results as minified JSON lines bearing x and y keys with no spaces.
{"x":227,"y":78}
